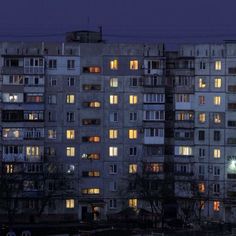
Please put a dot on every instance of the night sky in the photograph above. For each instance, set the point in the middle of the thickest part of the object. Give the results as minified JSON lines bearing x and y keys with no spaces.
{"x":171,"y":21}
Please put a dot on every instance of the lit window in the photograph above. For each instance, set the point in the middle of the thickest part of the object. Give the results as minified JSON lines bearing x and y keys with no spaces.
{"x":113,"y":133}
{"x":217,"y":118}
{"x":217,"y":65}
{"x":133,"y":202}
{"x":217,"y":83}
{"x":185,"y":151}
{"x":9,"y":169}
{"x":113,"y":99}
{"x":133,"y":99}
{"x":52,"y":134}
{"x":216,"y":153}
{"x":216,"y":206}
{"x":70,"y":98}
{"x":133,"y":168}
{"x":133,"y":65}
{"x":202,"y":205}
{"x":113,"y":151}
{"x":70,"y":203}
{"x":217,"y":100}
{"x":32,"y":150}
{"x":114,"y":82}
{"x":70,"y":134}
{"x":133,"y":134}
{"x":94,"y":104}
{"x":201,"y":187}
{"x":70,"y":151}
{"x":201,"y":100}
{"x":202,"y":117}
{"x":201,"y":83}
{"x":91,"y":191}
{"x":114,"y":64}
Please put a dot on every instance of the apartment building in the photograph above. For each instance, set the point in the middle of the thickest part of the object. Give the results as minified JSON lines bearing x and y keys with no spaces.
{"x":81,"y":119}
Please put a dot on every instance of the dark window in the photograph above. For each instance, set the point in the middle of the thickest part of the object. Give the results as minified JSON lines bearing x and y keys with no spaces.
{"x":216,"y":135}
{"x":201,"y":135}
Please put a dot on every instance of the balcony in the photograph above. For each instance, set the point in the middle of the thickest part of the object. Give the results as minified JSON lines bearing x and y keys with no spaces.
{"x":13,"y":157}
{"x":231,"y":141}
{"x":154,"y":140}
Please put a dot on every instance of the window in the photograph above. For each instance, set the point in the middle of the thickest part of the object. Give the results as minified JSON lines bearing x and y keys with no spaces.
{"x":202,"y":65}
{"x":91,"y":87}
{"x":70,"y":151}
{"x":91,"y":121}
{"x":201,"y":83}
{"x":113,"y":169}
{"x":202,"y":152}
{"x":182,"y":98}
{"x":91,"y":156}
{"x":52,"y":64}
{"x":70,"y":64}
{"x":217,"y":100}
{"x":154,"y":167}
{"x":92,"y":104}
{"x":70,"y":134}
{"x":113,"y":134}
{"x":216,"y":188}
{"x":154,"y":98}
{"x":91,"y":139}
{"x":201,"y":187}
{"x":216,"y":153}
{"x":217,"y":118}
{"x":70,"y":203}
{"x":90,"y":173}
{"x":216,"y":170}
{"x":113,"y":99}
{"x":133,"y":168}
{"x":113,"y":186}
{"x":52,"y":99}
{"x":183,"y":150}
{"x":160,"y":115}
{"x":114,"y":64}
{"x":70,"y":81}
{"x":217,"y":83}
{"x":133,"y":134}
{"x":216,"y":135}
{"x":133,"y":82}
{"x":153,"y":132}
{"x":133,"y":202}
{"x":133,"y":116}
{"x":202,"y":117}
{"x":201,"y":135}
{"x":70,"y":116}
{"x":52,"y":82}
{"x":133,"y":151}
{"x":91,"y":191}
{"x":179,"y":115}
{"x":70,"y":98}
{"x":217,"y":65}
{"x":133,"y":99}
{"x":113,"y":151}
{"x":32,"y":151}
{"x":52,"y":134}
{"x":113,"y":82}
{"x":92,"y":69}
{"x":113,"y":116}
{"x":201,"y":100}
{"x":133,"y":65}
{"x":112,"y":203}
{"x":12,"y":133}
{"x":34,"y":98}
{"x":9,"y":168}
{"x":12,"y":97}
{"x":216,"y":206}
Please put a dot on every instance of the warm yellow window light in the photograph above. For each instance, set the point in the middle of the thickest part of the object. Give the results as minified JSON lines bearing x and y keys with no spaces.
{"x":113,"y":133}
{"x":70,"y":151}
{"x":133,"y":99}
{"x":201,"y":83}
{"x":70,"y":203}
{"x":133,"y":65}
{"x":217,"y":100}
{"x":133,"y":202}
{"x":218,"y":82}
{"x":217,"y":65}
{"x":70,"y":134}
{"x":114,"y":64}
{"x":113,"y":99}
{"x":70,"y":98}
{"x":133,"y":134}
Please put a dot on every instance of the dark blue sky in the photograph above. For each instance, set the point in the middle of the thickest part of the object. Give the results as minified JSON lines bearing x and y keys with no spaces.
{"x":124,"y":20}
